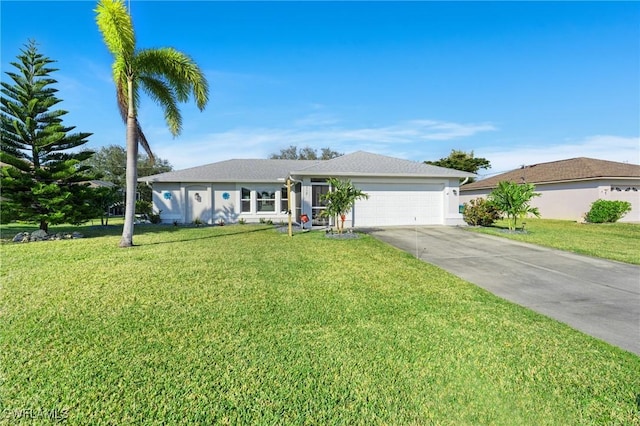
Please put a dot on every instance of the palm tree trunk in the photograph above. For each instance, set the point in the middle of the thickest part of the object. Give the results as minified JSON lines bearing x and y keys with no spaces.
{"x":132,"y":173}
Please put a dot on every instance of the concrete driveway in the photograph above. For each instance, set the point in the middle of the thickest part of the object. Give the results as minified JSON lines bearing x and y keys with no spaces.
{"x":598,"y":297}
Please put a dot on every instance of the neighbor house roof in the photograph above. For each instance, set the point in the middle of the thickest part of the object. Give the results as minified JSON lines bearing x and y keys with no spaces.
{"x":359,"y":163}
{"x":362,"y":163}
{"x":574,"y":169}
{"x":101,"y":184}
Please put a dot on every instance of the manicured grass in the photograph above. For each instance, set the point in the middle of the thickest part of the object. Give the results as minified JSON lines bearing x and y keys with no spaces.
{"x":242,"y":325}
{"x":615,"y":241}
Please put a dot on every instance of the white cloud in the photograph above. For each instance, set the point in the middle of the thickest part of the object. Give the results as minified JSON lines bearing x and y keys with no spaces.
{"x":189,"y":151}
{"x":317,"y":119}
{"x":602,"y":147}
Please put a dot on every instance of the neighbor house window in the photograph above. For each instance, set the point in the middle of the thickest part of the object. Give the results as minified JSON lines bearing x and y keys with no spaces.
{"x":266,"y":200}
{"x":284,"y":202}
{"x":245,"y":200}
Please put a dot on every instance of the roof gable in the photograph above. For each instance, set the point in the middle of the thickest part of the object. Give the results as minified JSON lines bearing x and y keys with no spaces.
{"x":573,"y":169}
{"x":361,"y":163}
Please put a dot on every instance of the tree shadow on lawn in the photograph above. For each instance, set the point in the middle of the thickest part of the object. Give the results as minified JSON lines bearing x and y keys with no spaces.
{"x":237,"y":231}
{"x":7,"y":232}
{"x":520,"y":229}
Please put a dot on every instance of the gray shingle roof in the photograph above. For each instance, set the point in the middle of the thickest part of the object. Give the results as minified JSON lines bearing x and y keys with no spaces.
{"x":573,"y":169}
{"x":238,"y":170}
{"x":101,"y":184}
{"x":359,"y":163}
{"x":362,"y":163}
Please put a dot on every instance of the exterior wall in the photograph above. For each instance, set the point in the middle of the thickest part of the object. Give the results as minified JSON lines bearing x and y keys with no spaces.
{"x":212,"y":202}
{"x":168,"y":199}
{"x":198,"y":204}
{"x":215,"y":202}
{"x":452,"y":216}
{"x":624,"y":190}
{"x":571,"y":200}
{"x":225,"y":202}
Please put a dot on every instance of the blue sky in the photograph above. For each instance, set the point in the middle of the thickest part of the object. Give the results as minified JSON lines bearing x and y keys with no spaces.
{"x":516,"y":82}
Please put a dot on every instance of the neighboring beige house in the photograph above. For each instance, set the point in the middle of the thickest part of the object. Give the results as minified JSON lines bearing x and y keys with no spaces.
{"x":568,"y":187}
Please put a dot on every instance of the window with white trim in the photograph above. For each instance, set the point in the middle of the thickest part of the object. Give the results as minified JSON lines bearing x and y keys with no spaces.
{"x":284,"y":201}
{"x":245,"y":200}
{"x":266,"y":200}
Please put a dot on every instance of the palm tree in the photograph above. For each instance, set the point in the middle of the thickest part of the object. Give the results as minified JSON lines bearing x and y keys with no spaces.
{"x":166,"y":75}
{"x":341,"y":199}
{"x":514,"y":200}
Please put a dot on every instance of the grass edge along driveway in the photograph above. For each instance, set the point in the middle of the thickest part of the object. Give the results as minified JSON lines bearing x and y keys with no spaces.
{"x":242,"y":325}
{"x":613,"y":241}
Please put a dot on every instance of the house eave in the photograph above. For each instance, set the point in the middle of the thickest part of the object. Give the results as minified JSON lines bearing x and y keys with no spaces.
{"x":380,"y":175}
{"x":210,"y":181}
{"x":547,"y":182}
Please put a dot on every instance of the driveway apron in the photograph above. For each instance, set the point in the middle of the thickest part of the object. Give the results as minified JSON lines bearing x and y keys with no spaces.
{"x":598,"y":297}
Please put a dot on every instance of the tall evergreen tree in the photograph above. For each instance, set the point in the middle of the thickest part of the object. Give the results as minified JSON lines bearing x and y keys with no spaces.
{"x":461,"y":160}
{"x":42,"y":182}
{"x":165,"y":74}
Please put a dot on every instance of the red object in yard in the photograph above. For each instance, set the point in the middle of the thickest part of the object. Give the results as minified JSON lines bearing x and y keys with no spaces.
{"x":304,"y":218}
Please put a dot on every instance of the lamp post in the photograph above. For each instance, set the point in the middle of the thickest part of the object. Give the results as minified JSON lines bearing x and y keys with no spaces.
{"x":288,"y":182}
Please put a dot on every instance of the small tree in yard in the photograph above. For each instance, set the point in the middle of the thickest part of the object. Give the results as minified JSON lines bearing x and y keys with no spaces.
{"x":514,"y":200}
{"x":104,"y":198}
{"x":41,"y":181}
{"x":340,"y":200}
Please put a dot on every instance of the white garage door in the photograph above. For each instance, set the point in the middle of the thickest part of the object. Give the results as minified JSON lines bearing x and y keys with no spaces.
{"x":399,"y":204}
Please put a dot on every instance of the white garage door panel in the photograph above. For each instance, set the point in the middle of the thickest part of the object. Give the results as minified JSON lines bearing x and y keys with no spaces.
{"x":399,"y":204}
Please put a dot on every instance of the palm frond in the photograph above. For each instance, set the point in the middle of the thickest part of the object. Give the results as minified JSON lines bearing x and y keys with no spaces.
{"x":120,"y":79}
{"x":178,"y":70}
{"x":162,"y":93}
{"x":142,"y":140}
{"x":114,"y":22}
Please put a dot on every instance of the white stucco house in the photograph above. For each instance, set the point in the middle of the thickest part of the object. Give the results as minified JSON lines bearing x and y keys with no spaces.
{"x":568,"y":187}
{"x":401,"y":192}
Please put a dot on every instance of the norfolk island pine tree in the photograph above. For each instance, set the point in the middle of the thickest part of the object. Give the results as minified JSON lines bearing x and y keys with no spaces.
{"x":43,"y":178}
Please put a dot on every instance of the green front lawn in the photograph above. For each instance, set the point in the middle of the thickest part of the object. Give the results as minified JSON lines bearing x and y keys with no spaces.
{"x":615,"y":241}
{"x":242,"y":325}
